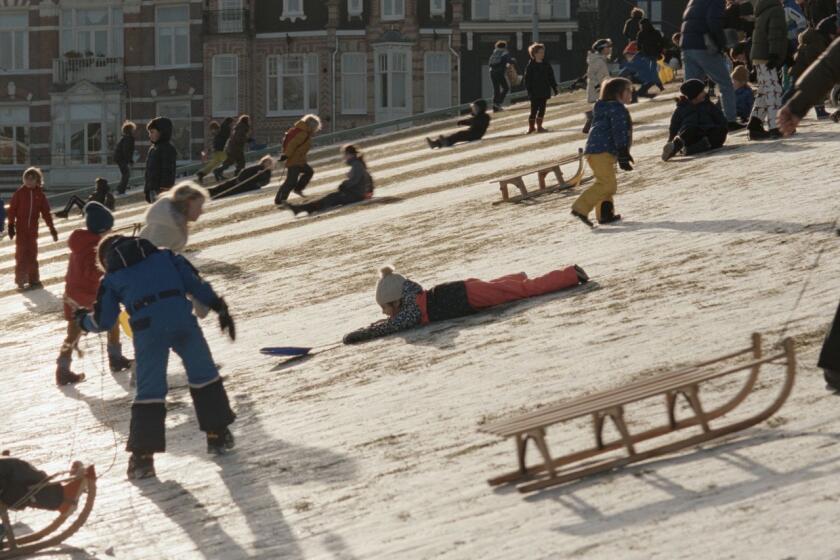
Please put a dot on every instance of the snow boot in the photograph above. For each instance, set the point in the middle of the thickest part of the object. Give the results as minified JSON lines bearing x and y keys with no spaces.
{"x":531,"y":126}
{"x":645,"y":91}
{"x":588,"y":124}
{"x":775,"y":134}
{"x":832,"y":379}
{"x":835,"y":116}
{"x":218,"y":175}
{"x":608,"y":214}
{"x":64,"y":376}
{"x":635,"y":97}
{"x":822,"y":114}
{"x":734,"y":126}
{"x":540,"y":126}
{"x":497,"y":108}
{"x":756,"y":129}
{"x":199,"y":178}
{"x":63,"y":214}
{"x":702,"y":145}
{"x":432,"y":143}
{"x":116,"y":360}
{"x":672,"y":148}
{"x":141,"y":466}
{"x":582,"y":218}
{"x":219,"y":443}
{"x":583,"y":277}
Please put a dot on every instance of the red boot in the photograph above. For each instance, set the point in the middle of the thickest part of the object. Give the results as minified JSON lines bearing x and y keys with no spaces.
{"x":540,"y":126}
{"x":64,"y":376}
{"x":531,"y":127}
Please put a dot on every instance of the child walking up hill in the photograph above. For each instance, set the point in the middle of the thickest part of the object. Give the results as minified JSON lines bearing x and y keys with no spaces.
{"x":540,"y":82}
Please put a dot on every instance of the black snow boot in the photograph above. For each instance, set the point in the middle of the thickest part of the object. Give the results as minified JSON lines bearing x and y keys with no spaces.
{"x":702,"y":145}
{"x":119,"y":363}
{"x":219,"y":443}
{"x":432,"y":143}
{"x":756,"y":129}
{"x":199,"y":178}
{"x":583,"y":277}
{"x":141,"y":465}
{"x":644,"y":91}
{"x":62,"y":214}
{"x":775,"y":133}
{"x":832,"y":378}
{"x":608,"y":214}
{"x":588,"y":124}
{"x":672,"y":148}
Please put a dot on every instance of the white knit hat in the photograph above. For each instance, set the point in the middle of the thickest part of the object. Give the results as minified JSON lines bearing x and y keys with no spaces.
{"x":390,"y":285}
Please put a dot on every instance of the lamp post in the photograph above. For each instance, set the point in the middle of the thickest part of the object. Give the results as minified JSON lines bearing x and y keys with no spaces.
{"x":535,"y":22}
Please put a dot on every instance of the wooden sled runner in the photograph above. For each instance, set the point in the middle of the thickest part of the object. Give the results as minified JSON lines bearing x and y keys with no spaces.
{"x":12,"y":546}
{"x":542,"y":172}
{"x":610,"y":404}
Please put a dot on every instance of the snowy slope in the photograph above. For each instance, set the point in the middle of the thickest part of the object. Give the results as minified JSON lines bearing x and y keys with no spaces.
{"x":372,"y":451}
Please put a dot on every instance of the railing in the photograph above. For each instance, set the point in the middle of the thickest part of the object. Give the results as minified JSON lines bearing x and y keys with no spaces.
{"x":96,"y":69}
{"x":519,"y":10}
{"x":227,"y":21}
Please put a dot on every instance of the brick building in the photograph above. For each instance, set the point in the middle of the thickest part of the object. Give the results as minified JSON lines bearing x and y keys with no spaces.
{"x":72,"y":70}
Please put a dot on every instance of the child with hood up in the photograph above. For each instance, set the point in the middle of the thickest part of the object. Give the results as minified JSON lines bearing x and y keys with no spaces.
{"x":235,"y":148}
{"x":697,"y":125}
{"x":357,"y":187}
{"x":296,"y":144}
{"x":540,"y":83}
{"x":597,"y":70}
{"x":28,"y":202}
{"x":161,"y":159}
{"x":408,"y":305}
{"x":80,"y":289}
{"x":477,"y":123}
{"x":101,"y":194}
{"x":608,"y":142}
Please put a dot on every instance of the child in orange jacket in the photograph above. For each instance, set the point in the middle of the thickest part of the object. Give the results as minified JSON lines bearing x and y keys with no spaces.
{"x":27,"y":203}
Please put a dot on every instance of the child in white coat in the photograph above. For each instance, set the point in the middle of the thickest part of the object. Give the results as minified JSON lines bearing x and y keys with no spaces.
{"x":597,"y":71}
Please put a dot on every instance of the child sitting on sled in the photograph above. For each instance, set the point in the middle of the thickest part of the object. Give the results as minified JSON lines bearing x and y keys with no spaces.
{"x":22,"y":485}
{"x":153,"y":284}
{"x":697,"y":125}
{"x":477,"y":123}
{"x":408,"y":305}
{"x":357,"y":187}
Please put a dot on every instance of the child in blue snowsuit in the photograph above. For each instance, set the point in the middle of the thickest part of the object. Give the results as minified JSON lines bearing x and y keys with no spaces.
{"x":153,"y":284}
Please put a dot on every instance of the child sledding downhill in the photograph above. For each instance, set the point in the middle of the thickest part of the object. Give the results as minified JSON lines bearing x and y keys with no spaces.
{"x":80,"y":288}
{"x":101,"y":194}
{"x":408,"y":305}
{"x":608,"y":141}
{"x":697,"y":125}
{"x":296,"y":144}
{"x":357,"y":187}
{"x":478,"y":123}
{"x":597,"y":70}
{"x":27,"y":204}
{"x":540,"y":83}
{"x":251,"y":178}
{"x":153,"y":284}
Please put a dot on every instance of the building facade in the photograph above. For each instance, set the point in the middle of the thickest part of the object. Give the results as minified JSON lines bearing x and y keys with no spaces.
{"x":71,"y":71}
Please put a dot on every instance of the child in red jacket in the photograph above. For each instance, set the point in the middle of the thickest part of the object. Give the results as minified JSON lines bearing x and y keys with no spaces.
{"x":27,"y":203}
{"x":80,"y":290}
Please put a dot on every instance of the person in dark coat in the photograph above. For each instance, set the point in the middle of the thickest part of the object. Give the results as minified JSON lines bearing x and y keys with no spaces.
{"x":769,"y":49}
{"x":251,"y":178}
{"x":638,"y":69}
{"x":697,"y":125}
{"x":101,"y":194}
{"x":153,"y":284}
{"x":651,"y":45}
{"x":124,"y":154}
{"x":812,"y":43}
{"x":235,"y":148}
{"x":161,"y":159}
{"x":633,"y":24}
{"x":829,"y":360}
{"x":540,"y":83}
{"x":477,"y":123}
{"x":811,"y":88}
{"x":357,"y":187}
{"x":499,"y":61}
{"x":22,"y":485}
{"x":818,"y":10}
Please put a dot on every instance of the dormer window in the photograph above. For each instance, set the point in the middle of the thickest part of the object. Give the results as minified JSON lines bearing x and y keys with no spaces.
{"x":437,"y":7}
{"x":354,"y":8}
{"x":292,"y":10}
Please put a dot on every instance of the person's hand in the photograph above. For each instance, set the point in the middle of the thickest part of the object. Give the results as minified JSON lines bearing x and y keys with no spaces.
{"x":79,"y":316}
{"x":12,"y":231}
{"x":225,"y":320}
{"x":787,"y":121}
{"x":625,"y":160}
{"x":772,"y":61}
{"x":54,"y":234}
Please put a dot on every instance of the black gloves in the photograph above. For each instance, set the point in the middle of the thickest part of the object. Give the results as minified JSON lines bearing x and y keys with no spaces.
{"x":11,"y":231}
{"x":625,"y":160}
{"x":283,"y":157}
{"x":225,"y":320}
{"x":54,"y":234}
{"x":772,"y":61}
{"x":78,"y":317}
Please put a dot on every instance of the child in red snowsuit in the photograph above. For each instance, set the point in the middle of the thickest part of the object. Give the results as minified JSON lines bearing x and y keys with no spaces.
{"x":408,"y":305}
{"x":27,"y":203}
{"x":80,"y":290}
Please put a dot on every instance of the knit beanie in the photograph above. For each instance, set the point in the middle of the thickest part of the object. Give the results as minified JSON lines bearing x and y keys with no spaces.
{"x":600,"y":44}
{"x":390,"y":285}
{"x":98,"y":219}
{"x":741,"y":74}
{"x":692,"y":88}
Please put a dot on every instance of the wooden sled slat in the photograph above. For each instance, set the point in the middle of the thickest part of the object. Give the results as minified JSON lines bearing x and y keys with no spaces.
{"x":517,"y":180}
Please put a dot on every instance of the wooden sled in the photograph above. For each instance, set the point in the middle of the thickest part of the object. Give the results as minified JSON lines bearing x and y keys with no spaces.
{"x":542,"y":172}
{"x":12,"y":546}
{"x":610,"y":404}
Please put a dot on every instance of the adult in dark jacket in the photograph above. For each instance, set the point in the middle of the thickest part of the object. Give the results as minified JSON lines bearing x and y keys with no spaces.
{"x":769,"y":49}
{"x":703,"y":43}
{"x":235,"y":147}
{"x":811,"y":88}
{"x":251,"y":178}
{"x":357,"y":187}
{"x":101,"y":194}
{"x":818,"y":10}
{"x":477,"y":123}
{"x":161,"y":159}
{"x":633,"y":24}
{"x":540,"y":83}
{"x":697,"y":124}
{"x":650,"y":40}
{"x":499,"y":61}
{"x":124,"y":154}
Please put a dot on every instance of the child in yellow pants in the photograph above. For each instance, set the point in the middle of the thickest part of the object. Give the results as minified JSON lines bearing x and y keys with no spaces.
{"x":219,"y":134}
{"x":608,"y":142}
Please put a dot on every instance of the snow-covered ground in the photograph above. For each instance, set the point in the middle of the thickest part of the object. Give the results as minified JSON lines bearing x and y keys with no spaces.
{"x":372,"y":451}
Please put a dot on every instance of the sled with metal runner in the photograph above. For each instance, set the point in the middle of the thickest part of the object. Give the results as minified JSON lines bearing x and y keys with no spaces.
{"x":543,"y":171}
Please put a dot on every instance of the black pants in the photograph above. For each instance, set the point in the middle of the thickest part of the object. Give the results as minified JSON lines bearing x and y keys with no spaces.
{"x":17,"y":477}
{"x":233,"y":186}
{"x":125,"y":175}
{"x":74,"y":201}
{"x":538,"y":108}
{"x":715,"y":136}
{"x":297,"y":177}
{"x":460,"y":136}
{"x":329,"y":201}
{"x":237,"y":158}
{"x":830,"y":353}
{"x":500,"y":86}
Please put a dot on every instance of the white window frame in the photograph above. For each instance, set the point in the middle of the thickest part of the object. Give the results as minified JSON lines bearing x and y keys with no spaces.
{"x":521,"y":8}
{"x":172,"y":25}
{"x":437,"y":7}
{"x":387,"y":106}
{"x":345,"y":110}
{"x":273,"y":72}
{"x":293,"y":13}
{"x":231,"y":16}
{"x":445,"y":76}
{"x":217,"y":110}
{"x":188,"y":119}
{"x":561,"y":9}
{"x":70,"y":30}
{"x":16,"y":117}
{"x":397,"y":10}
{"x":13,"y":31}
{"x":355,"y":7}
{"x":481,"y":9}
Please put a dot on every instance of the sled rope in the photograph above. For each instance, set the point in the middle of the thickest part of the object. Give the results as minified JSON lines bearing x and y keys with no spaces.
{"x":108,"y":421}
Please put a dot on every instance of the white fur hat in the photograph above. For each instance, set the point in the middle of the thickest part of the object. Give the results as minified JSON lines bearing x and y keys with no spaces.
{"x":390,"y":285}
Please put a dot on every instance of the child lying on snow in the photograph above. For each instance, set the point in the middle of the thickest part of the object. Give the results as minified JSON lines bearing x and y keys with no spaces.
{"x":18,"y":478}
{"x":249,"y":179}
{"x":408,"y":305}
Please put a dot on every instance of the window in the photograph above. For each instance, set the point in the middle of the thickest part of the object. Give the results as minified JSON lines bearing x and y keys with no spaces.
{"x":92,"y":32}
{"x":293,"y":9}
{"x":14,"y":135}
{"x":14,"y":42}
{"x":520,"y":8}
{"x":481,"y":9}
{"x":354,"y":83}
{"x":392,"y":80}
{"x":438,"y":80}
{"x":230,"y":18}
{"x":292,"y":84}
{"x":80,"y":129}
{"x":560,"y":9}
{"x":172,"y":24}
{"x":393,"y":9}
{"x":354,"y":7}
{"x":437,"y":7}
{"x":179,"y":113}
{"x":225,"y":84}
{"x":652,"y":8}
